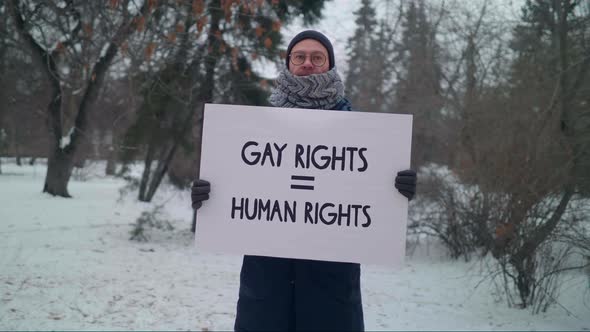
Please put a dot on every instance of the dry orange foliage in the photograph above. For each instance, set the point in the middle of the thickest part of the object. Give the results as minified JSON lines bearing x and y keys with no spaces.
{"x":59,"y":47}
{"x":276,"y":26}
{"x":87,"y":28}
{"x":114,"y":3}
{"x":149,"y":50}
{"x":152,"y":4}
{"x":198,"y":7}
{"x":259,"y":31}
{"x":201,"y":23}
{"x":124,"y":48}
{"x":234,"y":57}
{"x":505,"y":231}
{"x":139,"y":23}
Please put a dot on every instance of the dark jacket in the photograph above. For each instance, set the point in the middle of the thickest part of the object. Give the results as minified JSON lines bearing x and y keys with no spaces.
{"x":294,"y":294}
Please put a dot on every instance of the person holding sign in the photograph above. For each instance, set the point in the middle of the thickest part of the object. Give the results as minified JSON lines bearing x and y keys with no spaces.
{"x":298,"y":294}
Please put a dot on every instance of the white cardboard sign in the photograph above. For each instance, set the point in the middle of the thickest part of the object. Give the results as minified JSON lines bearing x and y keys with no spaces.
{"x":308,"y":184}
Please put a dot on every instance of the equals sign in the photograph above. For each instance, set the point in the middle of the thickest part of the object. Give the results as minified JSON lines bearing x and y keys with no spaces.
{"x":302,"y":178}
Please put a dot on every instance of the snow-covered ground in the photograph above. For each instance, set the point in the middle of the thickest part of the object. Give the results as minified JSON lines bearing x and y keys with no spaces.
{"x":68,"y":264}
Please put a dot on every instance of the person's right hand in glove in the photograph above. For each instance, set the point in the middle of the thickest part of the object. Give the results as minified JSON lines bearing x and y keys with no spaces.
{"x":199,"y":193}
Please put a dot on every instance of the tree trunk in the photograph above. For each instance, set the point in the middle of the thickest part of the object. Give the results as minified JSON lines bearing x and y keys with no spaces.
{"x":145,"y":176}
{"x":163,"y":164}
{"x":79,"y":162}
{"x":159,"y":174}
{"x":198,"y":153}
{"x":111,"y":162}
{"x":109,"y":141}
{"x":525,"y":279}
{"x":207,"y":96}
{"x":32,"y":161}
{"x":469,"y":101}
{"x":59,"y":170}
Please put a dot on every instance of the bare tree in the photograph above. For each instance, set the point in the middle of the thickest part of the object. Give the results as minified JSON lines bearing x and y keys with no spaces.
{"x":533,"y":164}
{"x":64,"y":45}
{"x":523,"y":142}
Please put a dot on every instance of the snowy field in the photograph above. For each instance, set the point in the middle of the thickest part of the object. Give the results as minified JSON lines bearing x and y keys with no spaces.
{"x":68,"y":264}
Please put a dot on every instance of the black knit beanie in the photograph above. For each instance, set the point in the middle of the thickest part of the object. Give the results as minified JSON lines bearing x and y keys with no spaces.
{"x":315,"y":35}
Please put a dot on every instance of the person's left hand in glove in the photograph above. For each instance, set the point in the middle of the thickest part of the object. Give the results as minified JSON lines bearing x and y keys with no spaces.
{"x":405,"y":182}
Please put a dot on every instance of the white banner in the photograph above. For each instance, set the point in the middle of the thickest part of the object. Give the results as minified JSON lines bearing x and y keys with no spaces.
{"x":300,"y":183}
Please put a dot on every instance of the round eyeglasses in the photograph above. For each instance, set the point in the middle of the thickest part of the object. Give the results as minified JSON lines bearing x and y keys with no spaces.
{"x":318,"y":59}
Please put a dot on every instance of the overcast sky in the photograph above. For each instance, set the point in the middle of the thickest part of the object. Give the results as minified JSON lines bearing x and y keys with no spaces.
{"x":338,"y":24}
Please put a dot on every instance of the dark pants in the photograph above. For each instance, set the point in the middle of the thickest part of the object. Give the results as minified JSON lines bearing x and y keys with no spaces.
{"x":293,"y":294}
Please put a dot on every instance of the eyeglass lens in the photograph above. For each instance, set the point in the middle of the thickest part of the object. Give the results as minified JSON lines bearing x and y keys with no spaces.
{"x":317,"y":59}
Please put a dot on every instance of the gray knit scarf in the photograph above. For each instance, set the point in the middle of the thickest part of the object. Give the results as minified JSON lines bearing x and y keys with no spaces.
{"x":319,"y":91}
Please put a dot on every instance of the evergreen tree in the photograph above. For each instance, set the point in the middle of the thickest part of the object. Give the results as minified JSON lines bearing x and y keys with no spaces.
{"x":552,"y":71}
{"x":381,"y":70}
{"x":418,"y":90}
{"x":360,"y":85}
{"x":370,"y":53}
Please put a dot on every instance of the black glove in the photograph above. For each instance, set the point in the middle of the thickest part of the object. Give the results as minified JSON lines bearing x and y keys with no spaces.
{"x":199,"y":193}
{"x":405,"y":182}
